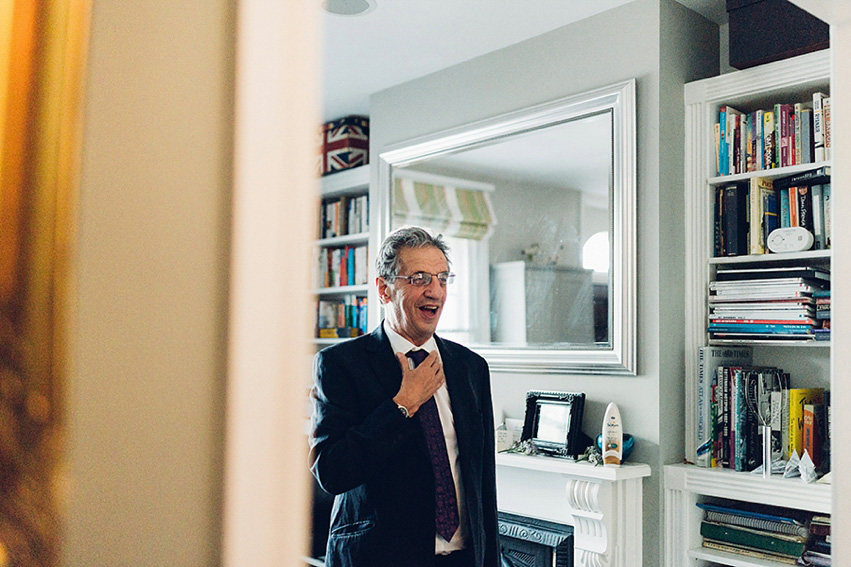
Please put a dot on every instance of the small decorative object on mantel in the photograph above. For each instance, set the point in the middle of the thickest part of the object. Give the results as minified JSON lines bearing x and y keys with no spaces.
{"x":553,"y":423}
{"x":628,"y":445}
{"x":612,"y":436}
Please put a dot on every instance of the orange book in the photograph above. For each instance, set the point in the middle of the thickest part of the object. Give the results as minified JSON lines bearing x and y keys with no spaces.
{"x":798,"y":398}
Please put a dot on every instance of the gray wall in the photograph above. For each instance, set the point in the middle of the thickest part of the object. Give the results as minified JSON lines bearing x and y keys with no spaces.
{"x":662,"y":45}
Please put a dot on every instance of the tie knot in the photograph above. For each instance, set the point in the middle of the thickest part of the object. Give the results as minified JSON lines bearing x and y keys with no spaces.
{"x":417,"y":355}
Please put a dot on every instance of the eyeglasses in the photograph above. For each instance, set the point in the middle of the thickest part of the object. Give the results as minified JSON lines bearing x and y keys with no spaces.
{"x":422,"y":279}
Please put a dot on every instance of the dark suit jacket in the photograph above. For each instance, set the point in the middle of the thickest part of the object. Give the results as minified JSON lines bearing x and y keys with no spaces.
{"x":376,"y":461}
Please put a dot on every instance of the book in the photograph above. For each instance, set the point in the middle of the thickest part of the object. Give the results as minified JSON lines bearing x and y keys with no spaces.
{"x":806,"y":147}
{"x":756,"y":539}
{"x":735,"y":217}
{"x":724,"y":139}
{"x":813,"y":433}
{"x":780,"y":417}
{"x":709,"y":359}
{"x":749,"y":552}
{"x":820,"y":525}
{"x":825,"y":197}
{"x":768,"y":139}
{"x":818,"y":126}
{"x":718,"y":228}
{"x":763,"y":209}
{"x":825,"y":104}
{"x":761,"y":328}
{"x":805,"y":207}
{"x":798,"y":398}
{"x":783,"y":278}
{"x":758,"y":516}
{"x":819,"y":175}
{"x":819,"y":241}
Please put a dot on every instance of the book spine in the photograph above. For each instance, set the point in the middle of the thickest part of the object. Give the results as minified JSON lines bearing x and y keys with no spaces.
{"x":735,"y":220}
{"x":754,"y":217}
{"x":755,"y":523}
{"x":818,"y":127}
{"x":736,"y":536}
{"x":827,"y":128}
{"x":783,"y":201}
{"x":805,"y":207}
{"x":807,"y":135}
{"x":818,"y":217}
{"x":722,"y":142}
{"x":759,"y":142}
{"x":796,"y":136}
{"x":719,"y":222}
{"x":798,"y":398}
{"x":793,"y":206}
{"x":768,"y":137}
{"x":825,"y":194}
{"x":710,"y":358}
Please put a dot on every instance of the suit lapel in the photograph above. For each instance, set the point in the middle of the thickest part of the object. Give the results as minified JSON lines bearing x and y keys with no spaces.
{"x":461,"y":396}
{"x":383,"y":361}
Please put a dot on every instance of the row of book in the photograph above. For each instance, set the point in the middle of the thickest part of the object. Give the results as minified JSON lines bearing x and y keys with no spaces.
{"x":344,"y":215}
{"x":766,"y":303}
{"x":341,"y":318}
{"x":746,"y":213}
{"x":822,"y":299}
{"x":341,"y":266}
{"x":771,"y":533}
{"x":736,"y":397}
{"x":780,"y":136}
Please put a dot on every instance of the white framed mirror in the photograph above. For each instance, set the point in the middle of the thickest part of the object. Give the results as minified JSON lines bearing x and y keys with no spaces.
{"x":539,"y":209}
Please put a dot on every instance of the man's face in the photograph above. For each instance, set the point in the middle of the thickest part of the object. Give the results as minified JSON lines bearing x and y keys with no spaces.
{"x":413,"y":311}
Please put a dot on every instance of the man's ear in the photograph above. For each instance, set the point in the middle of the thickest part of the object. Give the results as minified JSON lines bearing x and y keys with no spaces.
{"x":383,"y":291}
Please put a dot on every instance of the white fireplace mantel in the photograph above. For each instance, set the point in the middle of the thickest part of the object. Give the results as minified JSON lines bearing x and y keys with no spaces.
{"x":603,"y":504}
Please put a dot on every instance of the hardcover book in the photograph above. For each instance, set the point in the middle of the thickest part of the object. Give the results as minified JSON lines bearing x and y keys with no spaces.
{"x":735,"y":220}
{"x":791,"y":546}
{"x":798,"y":398}
{"x":818,"y":126}
{"x":763,"y":517}
{"x":709,"y":359}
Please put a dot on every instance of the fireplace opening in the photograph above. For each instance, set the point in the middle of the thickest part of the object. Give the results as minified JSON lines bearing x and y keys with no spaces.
{"x":530,"y":542}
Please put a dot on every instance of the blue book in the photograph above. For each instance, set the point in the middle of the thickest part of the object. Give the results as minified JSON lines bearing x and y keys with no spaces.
{"x":761,"y":517}
{"x":762,"y":328}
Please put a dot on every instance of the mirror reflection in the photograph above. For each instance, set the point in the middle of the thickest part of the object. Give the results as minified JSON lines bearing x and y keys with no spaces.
{"x":527,"y":219}
{"x":539,"y":209}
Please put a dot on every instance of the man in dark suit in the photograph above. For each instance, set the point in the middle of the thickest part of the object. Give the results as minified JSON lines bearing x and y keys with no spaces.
{"x":406,"y":446}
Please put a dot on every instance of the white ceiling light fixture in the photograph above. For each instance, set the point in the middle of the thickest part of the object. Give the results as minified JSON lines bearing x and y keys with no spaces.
{"x":348,"y":7}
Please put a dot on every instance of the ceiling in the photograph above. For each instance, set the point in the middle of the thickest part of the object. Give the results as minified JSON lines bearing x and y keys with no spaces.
{"x":401,"y":40}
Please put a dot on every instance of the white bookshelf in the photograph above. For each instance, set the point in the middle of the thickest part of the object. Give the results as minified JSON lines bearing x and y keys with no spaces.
{"x":352,"y":182}
{"x":791,"y":80}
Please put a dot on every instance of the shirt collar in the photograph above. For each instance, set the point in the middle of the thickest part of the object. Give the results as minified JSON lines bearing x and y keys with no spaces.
{"x":403,"y":345}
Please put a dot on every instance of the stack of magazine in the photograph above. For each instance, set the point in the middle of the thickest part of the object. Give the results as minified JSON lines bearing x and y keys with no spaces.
{"x":759,"y":531}
{"x":766,"y":303}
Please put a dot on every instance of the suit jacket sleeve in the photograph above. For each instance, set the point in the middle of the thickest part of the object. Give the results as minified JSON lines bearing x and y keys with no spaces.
{"x":356,"y":426}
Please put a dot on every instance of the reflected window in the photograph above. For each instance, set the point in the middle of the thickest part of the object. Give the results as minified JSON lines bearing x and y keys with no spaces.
{"x":595,"y":253}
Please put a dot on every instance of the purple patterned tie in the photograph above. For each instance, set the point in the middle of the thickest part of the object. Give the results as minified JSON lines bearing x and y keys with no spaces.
{"x":445,"y":504}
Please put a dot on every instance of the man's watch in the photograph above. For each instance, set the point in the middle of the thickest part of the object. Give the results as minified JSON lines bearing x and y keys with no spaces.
{"x":404,"y":410}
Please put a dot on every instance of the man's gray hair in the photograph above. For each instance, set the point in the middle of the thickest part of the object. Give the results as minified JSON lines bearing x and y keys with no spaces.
{"x":387,"y":259}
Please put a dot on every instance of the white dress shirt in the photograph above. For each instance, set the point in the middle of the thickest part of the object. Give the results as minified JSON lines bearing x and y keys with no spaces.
{"x":444,"y":409}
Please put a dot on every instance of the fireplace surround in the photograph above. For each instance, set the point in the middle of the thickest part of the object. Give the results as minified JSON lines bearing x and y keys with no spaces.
{"x":603,"y":505}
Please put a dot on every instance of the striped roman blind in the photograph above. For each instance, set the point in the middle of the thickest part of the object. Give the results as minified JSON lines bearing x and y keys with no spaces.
{"x":443,"y":205}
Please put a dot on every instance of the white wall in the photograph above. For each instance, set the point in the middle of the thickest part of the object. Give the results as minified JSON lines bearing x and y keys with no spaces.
{"x":662,"y":45}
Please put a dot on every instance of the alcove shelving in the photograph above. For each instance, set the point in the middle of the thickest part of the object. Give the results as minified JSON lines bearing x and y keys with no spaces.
{"x":807,"y":361}
{"x":341,"y":248}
